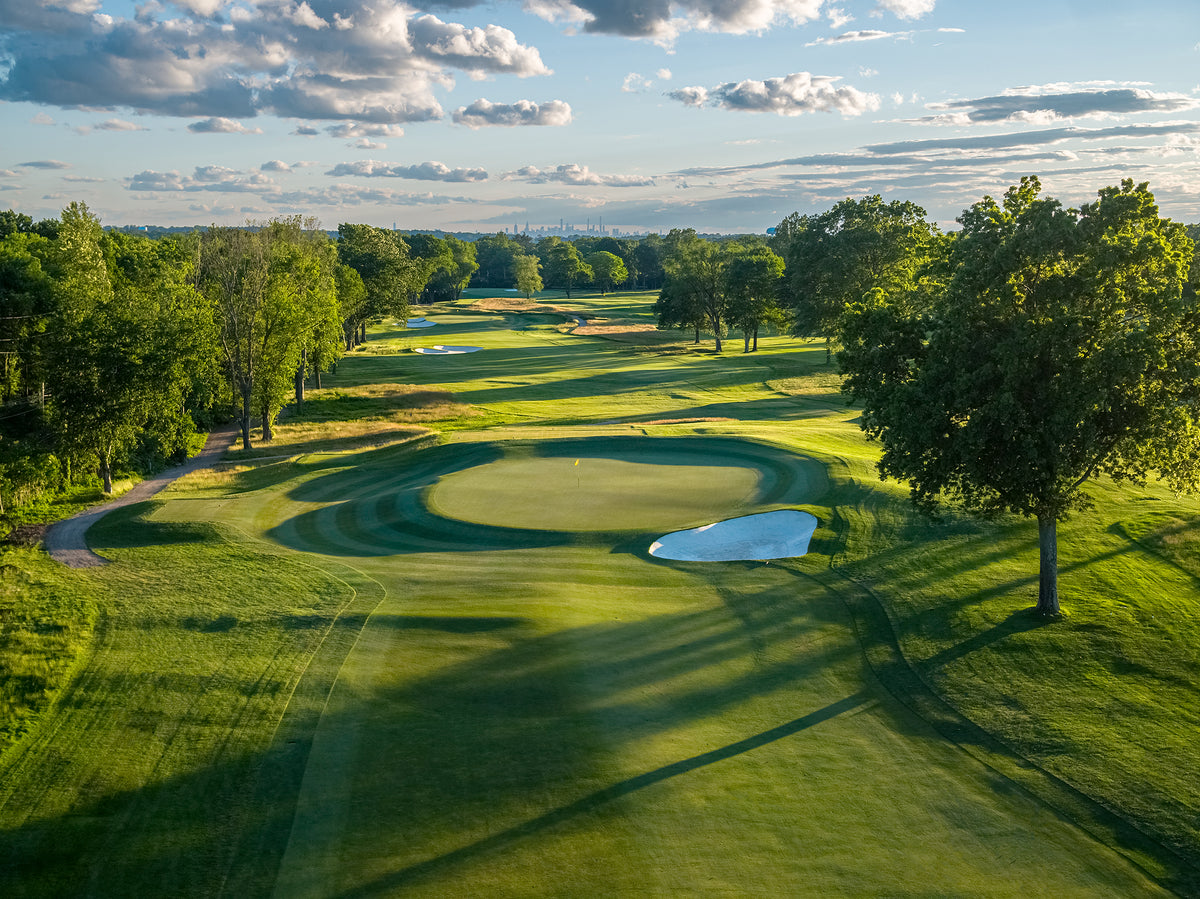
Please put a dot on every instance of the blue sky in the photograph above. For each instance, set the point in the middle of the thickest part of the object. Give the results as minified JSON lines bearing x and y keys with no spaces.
{"x":722,"y":115}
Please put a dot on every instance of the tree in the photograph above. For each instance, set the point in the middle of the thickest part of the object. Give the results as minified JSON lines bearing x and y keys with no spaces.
{"x":752,"y":279}
{"x":694,"y":293}
{"x":529,"y":278}
{"x":233,"y":272}
{"x":390,"y":275}
{"x":124,"y":353}
{"x":608,"y":269}
{"x":1064,"y":348}
{"x":494,"y":256}
{"x":563,"y":266}
{"x":838,"y":257}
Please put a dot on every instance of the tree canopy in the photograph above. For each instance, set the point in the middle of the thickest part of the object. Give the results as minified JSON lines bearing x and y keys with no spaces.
{"x":839,"y":256}
{"x":1064,"y":347}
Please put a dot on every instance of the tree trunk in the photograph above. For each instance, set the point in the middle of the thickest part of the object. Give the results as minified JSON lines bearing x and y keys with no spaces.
{"x":246,"y":419}
{"x":317,"y":378}
{"x":106,"y":474}
{"x":300,"y":378}
{"x":756,"y":338}
{"x":266,"y":424}
{"x":828,"y":350}
{"x":746,"y":339}
{"x":363,"y":333}
{"x":697,"y":333}
{"x":1048,"y":574}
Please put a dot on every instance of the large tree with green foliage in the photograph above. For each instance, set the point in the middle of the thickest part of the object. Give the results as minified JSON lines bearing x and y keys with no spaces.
{"x":694,"y":292}
{"x":752,"y":278}
{"x":389,"y":273}
{"x":1063,"y":348}
{"x":608,"y":270}
{"x":562,"y":265}
{"x":529,"y":275}
{"x":129,"y":333}
{"x":839,"y":256}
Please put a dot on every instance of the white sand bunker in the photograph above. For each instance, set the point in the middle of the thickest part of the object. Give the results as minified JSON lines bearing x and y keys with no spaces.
{"x":419,"y":323}
{"x":768,"y":535}
{"x":440,"y":350}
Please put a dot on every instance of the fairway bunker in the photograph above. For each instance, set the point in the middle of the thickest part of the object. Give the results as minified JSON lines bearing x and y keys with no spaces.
{"x":419,"y":323}
{"x":440,"y":350}
{"x":768,"y":535}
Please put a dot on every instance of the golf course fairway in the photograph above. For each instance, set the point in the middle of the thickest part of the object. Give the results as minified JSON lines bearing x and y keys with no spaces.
{"x":437,"y":658}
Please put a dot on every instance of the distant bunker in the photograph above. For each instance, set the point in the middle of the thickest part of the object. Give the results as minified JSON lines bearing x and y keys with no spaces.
{"x":440,"y":350}
{"x":645,"y":485}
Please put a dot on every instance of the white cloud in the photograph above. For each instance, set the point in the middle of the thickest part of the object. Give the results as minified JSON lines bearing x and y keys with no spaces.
{"x":635,"y":83}
{"x":118,"y":125}
{"x":575,"y":174}
{"x":483,"y":113}
{"x":275,"y":165}
{"x":908,"y":9}
{"x":425,"y":171}
{"x":377,"y":62}
{"x":838,"y":18}
{"x":790,"y":95}
{"x":663,"y":75}
{"x":221,"y":125}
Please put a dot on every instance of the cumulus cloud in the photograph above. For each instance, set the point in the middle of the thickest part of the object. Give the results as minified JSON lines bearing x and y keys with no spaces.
{"x":483,"y":113}
{"x":275,"y":165}
{"x":574,"y":174}
{"x":425,"y":171}
{"x":662,"y":21}
{"x":211,"y":178}
{"x":221,"y":125}
{"x":635,"y":83}
{"x":1050,"y":103}
{"x":351,"y":130}
{"x":375,"y":61}
{"x":790,"y":95}
{"x":118,"y":125}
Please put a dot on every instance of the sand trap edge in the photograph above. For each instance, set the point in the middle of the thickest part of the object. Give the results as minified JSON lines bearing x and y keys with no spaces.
{"x":784,"y":534}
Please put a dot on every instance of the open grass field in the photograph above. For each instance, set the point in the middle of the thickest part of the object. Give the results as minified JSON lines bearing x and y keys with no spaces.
{"x":418,"y":647}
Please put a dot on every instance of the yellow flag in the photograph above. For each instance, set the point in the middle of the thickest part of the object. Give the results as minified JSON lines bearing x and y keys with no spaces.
{"x":576,"y":461}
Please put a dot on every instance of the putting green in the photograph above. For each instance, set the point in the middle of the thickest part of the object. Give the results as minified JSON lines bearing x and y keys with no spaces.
{"x":591,"y":494}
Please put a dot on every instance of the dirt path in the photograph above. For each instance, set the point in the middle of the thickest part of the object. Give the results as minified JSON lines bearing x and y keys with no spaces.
{"x":65,"y":541}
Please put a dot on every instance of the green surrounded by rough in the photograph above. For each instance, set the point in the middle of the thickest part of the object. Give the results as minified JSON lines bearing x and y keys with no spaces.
{"x":419,"y":665}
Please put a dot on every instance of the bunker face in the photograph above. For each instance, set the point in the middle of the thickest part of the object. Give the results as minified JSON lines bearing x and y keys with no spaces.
{"x":770,"y":535}
{"x":440,"y":350}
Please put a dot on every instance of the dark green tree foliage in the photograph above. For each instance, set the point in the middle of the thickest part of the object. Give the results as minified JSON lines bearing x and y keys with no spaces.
{"x":694,"y":293}
{"x":447,"y":282}
{"x":838,"y":257}
{"x":608,"y":270}
{"x":390,"y":275}
{"x":648,"y":262}
{"x":233,"y":271}
{"x":495,"y":257}
{"x":562,"y":267}
{"x":752,"y":278}
{"x":26,"y":302}
{"x":127,"y":334}
{"x":1064,"y":348}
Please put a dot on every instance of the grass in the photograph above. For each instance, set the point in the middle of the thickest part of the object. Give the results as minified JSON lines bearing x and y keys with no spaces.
{"x":412,"y":649}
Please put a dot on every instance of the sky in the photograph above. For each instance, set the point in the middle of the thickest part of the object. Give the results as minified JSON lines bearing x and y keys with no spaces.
{"x":720,"y":115}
